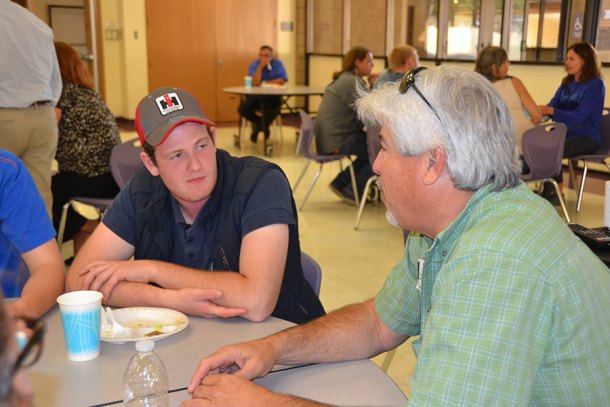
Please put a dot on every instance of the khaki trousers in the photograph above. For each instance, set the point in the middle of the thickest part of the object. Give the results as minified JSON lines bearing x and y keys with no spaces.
{"x":31,"y":134}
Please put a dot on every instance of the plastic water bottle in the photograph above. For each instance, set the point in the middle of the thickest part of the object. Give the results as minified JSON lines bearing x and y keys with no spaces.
{"x":145,"y":381}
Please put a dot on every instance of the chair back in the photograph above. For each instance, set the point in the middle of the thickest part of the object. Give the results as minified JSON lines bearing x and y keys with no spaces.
{"x":307,"y":135}
{"x":373,"y":142}
{"x":125,"y":161}
{"x":543,"y":150}
{"x":604,"y":132}
{"x":312,"y":272}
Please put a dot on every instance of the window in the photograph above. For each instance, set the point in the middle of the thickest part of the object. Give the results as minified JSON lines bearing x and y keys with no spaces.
{"x":327,"y":27}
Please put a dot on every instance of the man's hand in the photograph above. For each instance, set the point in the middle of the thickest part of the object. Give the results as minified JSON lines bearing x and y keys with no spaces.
{"x":228,"y":390}
{"x":200,"y":302}
{"x":103,"y":276}
{"x":247,"y":360}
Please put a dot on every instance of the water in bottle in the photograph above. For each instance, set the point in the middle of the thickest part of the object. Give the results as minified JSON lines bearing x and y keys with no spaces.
{"x":145,"y":382}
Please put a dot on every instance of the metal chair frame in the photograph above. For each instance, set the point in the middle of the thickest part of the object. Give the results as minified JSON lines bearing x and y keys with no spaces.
{"x":305,"y":148}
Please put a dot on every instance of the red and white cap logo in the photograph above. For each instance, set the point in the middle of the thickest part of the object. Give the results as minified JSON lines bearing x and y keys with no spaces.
{"x":168,"y":103}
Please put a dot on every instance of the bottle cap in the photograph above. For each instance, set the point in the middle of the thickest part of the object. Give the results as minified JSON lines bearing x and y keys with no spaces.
{"x":145,"y":346}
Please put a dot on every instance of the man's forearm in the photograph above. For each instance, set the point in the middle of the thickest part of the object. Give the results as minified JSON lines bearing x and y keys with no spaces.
{"x":346,"y":334}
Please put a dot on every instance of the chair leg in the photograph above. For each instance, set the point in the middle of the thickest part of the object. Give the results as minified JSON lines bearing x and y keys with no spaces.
{"x":313,"y":182}
{"x":243,"y":130}
{"x":561,"y":201}
{"x":582,"y":186}
{"x":571,"y":164}
{"x":278,"y":127}
{"x":388,"y":359}
{"x":352,"y":175}
{"x":367,"y":187}
{"x":294,"y":188}
{"x":62,"y":224}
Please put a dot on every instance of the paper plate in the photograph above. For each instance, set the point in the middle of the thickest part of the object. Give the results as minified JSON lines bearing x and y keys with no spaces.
{"x":148,"y":323}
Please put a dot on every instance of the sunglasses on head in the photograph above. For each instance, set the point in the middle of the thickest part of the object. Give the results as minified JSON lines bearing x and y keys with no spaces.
{"x":408,"y":82}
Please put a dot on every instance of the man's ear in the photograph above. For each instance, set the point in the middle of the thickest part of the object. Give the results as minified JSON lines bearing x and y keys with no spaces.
{"x":212,"y":131}
{"x":436,"y":165}
{"x":149,"y":164}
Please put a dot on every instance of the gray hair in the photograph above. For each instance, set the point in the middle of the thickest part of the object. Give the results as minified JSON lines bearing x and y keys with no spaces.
{"x":475,"y":127}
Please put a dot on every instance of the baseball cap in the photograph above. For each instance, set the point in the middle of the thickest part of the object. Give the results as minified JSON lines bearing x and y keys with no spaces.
{"x":164,"y":109}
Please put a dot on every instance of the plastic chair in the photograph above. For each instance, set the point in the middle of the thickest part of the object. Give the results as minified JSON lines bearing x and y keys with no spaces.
{"x":373,"y":143}
{"x":312,"y":272}
{"x":307,"y":150}
{"x":543,"y":152}
{"x":124,"y":162}
{"x":598,"y":157}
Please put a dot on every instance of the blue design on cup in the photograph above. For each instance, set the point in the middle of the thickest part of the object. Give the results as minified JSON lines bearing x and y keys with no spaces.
{"x":81,"y":331}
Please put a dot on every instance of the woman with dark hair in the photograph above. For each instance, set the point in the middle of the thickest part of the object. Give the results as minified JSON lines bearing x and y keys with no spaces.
{"x":87,"y":134}
{"x":578,"y":103}
{"x":337,"y":128}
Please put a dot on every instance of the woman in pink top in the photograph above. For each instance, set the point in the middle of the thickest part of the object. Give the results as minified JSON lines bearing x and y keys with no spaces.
{"x":492,"y":63}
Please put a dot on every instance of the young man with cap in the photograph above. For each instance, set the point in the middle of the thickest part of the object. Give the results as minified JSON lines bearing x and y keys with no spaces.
{"x":193,"y":210}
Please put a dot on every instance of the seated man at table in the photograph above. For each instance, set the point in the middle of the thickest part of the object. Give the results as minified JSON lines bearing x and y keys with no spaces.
{"x":265,"y":69}
{"x":214,"y":234}
{"x":511,"y":307}
{"x":31,"y":268}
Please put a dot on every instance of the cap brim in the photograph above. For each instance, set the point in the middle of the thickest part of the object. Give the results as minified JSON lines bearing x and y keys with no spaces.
{"x":159,"y":135}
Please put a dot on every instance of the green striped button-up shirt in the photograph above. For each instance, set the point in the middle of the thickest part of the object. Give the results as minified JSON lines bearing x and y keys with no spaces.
{"x":512,"y":309}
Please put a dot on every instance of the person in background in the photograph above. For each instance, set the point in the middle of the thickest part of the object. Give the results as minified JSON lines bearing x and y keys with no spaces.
{"x":337,"y":128}
{"x":492,"y":62}
{"x":15,"y":386}
{"x":31,"y":268}
{"x":578,"y":103}
{"x":265,"y":70}
{"x":401,"y":59}
{"x":30,"y":86}
{"x":509,"y":313}
{"x":87,"y":134}
{"x":214,"y":234}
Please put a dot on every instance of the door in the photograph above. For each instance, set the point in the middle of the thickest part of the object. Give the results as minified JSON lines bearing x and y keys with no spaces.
{"x":206,"y":45}
{"x":182,"y":48}
{"x":243,"y":26}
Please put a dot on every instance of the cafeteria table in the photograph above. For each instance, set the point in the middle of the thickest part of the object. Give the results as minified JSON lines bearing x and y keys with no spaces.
{"x":58,"y":381}
{"x":284,"y":91}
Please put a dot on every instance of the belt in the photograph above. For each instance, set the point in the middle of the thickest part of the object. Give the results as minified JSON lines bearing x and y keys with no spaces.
{"x":39,"y":103}
{"x":35,"y":105}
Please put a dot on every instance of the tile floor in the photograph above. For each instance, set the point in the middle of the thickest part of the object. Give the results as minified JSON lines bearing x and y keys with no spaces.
{"x":354,"y":263}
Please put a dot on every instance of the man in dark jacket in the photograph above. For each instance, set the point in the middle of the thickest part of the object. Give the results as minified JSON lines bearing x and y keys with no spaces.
{"x":211,"y":234}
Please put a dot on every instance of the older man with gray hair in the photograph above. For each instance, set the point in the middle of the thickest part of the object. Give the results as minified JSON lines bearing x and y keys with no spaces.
{"x":512,"y":309}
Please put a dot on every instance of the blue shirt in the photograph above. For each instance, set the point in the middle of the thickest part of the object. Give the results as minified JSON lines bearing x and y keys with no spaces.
{"x":277,"y":70}
{"x":579,"y":106}
{"x":24,"y":223}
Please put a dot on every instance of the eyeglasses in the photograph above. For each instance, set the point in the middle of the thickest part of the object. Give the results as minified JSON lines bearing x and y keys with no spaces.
{"x":33,"y":348}
{"x":408,"y":82}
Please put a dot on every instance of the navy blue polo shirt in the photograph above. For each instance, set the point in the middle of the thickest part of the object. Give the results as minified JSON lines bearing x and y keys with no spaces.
{"x":269,"y":203}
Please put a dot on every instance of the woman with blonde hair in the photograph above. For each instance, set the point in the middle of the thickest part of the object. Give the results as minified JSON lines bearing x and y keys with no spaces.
{"x":492,"y":62}
{"x":87,"y":134}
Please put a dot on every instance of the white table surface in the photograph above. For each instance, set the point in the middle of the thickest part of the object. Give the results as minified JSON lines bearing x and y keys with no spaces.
{"x":59,"y":382}
{"x":296,"y":90}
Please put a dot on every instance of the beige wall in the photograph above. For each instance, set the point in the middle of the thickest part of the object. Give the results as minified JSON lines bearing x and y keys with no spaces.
{"x":125,"y":58}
